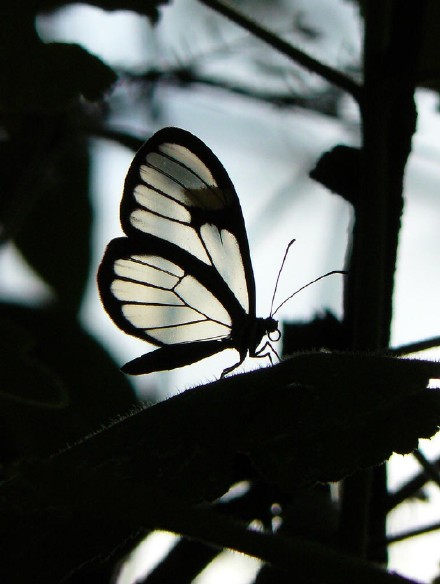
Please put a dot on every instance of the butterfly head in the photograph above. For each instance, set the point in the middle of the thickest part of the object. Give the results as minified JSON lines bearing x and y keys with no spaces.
{"x":272,"y":329}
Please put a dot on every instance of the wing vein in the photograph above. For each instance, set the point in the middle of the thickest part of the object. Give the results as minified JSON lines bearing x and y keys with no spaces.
{"x":215,"y":191}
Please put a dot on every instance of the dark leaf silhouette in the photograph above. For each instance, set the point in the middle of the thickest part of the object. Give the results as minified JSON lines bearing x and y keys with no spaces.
{"x":324,"y":416}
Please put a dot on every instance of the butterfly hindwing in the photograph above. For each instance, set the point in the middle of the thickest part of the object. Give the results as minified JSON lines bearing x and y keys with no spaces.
{"x":164,"y":301}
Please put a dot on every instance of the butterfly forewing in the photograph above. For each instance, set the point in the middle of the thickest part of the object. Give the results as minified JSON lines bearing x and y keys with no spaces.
{"x":177,"y":190}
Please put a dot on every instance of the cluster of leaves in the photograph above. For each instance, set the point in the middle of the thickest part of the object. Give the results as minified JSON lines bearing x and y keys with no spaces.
{"x":287,"y":431}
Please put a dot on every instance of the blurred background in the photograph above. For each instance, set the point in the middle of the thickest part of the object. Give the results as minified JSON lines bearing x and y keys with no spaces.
{"x":268,"y":121}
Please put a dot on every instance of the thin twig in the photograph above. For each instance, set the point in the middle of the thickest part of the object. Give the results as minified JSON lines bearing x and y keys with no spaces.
{"x":182,"y":77}
{"x":427,"y":466}
{"x":331,"y":75}
{"x":411,"y":533}
{"x":410,"y":488}
{"x":416,"y":347}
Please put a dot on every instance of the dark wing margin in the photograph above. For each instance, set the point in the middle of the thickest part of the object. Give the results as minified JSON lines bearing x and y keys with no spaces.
{"x":163,"y":301}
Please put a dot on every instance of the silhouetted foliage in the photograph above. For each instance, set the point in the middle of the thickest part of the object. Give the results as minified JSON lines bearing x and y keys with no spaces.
{"x":85,"y":481}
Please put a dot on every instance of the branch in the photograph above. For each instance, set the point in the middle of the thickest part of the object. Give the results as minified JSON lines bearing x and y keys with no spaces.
{"x":410,"y":488}
{"x":331,"y":75}
{"x":416,"y":347}
{"x":428,"y":467}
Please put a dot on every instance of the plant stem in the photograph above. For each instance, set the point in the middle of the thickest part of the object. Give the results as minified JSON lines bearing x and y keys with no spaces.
{"x":389,"y":119}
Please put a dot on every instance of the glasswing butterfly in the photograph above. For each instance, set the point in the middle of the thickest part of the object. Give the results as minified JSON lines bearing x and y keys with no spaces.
{"x":182,"y":277}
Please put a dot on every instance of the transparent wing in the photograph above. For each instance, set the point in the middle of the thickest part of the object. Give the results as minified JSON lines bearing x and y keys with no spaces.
{"x":178,"y":191}
{"x":158,"y":300}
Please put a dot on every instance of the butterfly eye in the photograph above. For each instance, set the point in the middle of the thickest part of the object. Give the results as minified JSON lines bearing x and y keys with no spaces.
{"x":274,"y":336}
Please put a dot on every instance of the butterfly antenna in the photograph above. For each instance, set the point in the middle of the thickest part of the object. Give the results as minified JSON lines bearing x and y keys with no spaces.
{"x":279,"y":274}
{"x":307,"y":285}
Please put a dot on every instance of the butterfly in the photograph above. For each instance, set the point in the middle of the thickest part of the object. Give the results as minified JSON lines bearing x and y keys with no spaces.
{"x":182,"y":277}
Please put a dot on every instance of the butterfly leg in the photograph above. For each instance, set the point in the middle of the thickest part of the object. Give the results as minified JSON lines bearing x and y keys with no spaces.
{"x":267,"y":350}
{"x":232,"y":367}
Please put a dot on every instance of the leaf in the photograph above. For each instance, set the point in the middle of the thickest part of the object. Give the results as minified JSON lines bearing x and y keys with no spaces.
{"x":351,"y":413}
{"x":339,"y":171}
{"x":315,"y":417}
{"x":46,"y":205}
{"x":24,"y":379}
{"x":57,"y":384}
{"x":61,"y":74}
